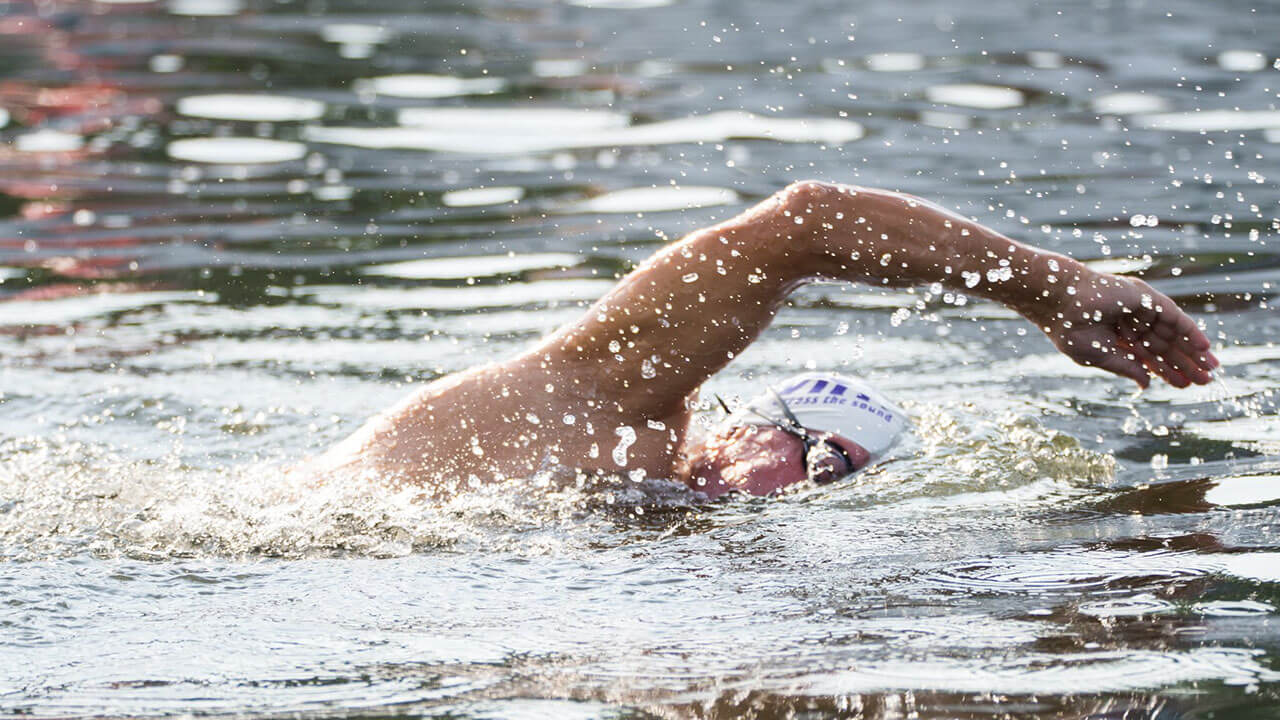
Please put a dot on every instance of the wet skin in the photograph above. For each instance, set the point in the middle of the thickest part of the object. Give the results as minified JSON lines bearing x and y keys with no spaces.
{"x":762,"y":460}
{"x":613,"y":391}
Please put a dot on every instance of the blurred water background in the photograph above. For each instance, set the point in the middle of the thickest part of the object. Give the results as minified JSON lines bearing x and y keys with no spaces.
{"x":230,"y":230}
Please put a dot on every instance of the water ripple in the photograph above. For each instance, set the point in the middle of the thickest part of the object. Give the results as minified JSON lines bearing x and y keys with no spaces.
{"x":713,"y":127}
{"x":1079,"y":673}
{"x":1073,"y":571}
{"x":236,"y":150}
{"x":250,"y":108}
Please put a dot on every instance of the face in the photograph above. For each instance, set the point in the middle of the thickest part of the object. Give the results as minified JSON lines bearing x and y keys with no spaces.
{"x":761,"y":460}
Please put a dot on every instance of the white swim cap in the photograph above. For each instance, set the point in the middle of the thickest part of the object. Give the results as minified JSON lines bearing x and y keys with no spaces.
{"x":832,"y":403}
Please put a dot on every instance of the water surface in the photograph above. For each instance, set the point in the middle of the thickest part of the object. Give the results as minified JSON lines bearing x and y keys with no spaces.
{"x":232,"y":230}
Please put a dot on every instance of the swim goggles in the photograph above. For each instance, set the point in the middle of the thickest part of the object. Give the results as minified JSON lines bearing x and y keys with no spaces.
{"x":791,"y":426}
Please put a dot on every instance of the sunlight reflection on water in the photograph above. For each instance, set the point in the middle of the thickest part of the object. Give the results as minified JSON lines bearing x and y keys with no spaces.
{"x":232,"y":230}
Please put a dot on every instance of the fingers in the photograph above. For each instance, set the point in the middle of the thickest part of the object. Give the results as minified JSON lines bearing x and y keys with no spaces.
{"x":1171,"y":322}
{"x":1186,"y":328}
{"x":1135,"y":329}
{"x":1125,"y":365}
{"x":1112,"y":356}
{"x":1168,"y":341}
{"x":1164,"y":358}
{"x":1161,"y":353}
{"x":1159,"y":365}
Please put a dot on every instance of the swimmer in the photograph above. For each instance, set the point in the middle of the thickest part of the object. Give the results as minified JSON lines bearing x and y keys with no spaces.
{"x":615,"y":390}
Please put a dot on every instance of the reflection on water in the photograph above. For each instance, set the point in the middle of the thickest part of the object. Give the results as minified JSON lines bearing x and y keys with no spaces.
{"x":230,"y":231}
{"x":1213,"y":120}
{"x":235,"y":150}
{"x":492,"y":136}
{"x":982,"y":97}
{"x":250,"y":108}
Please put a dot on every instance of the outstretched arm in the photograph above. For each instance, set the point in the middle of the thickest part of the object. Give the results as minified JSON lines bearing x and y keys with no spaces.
{"x":691,"y":308}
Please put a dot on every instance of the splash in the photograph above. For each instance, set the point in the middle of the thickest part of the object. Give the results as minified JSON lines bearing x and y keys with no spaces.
{"x":62,"y":498}
{"x":958,"y":449}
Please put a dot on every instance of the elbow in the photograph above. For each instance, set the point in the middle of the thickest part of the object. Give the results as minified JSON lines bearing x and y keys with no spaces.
{"x":825,"y":201}
{"x":811,"y":196}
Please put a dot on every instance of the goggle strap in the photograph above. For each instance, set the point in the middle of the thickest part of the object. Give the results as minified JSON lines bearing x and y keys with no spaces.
{"x":786,"y":410}
{"x":794,"y":428}
{"x":723,"y":405}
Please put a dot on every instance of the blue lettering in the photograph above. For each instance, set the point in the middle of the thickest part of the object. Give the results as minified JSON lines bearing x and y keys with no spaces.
{"x":794,"y":388}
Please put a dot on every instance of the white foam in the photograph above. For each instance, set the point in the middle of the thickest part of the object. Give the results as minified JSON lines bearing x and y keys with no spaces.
{"x":1212,"y":120}
{"x":476,"y":197}
{"x":655,"y":199}
{"x":946,"y":120}
{"x":570,"y":67}
{"x":430,"y":86}
{"x":511,"y":294}
{"x":66,"y":498}
{"x":206,"y":8}
{"x":619,"y":4}
{"x":4,"y":117}
{"x":250,"y":108}
{"x":895,"y":62}
{"x":512,"y":120}
{"x":975,"y":95}
{"x":355,"y":33}
{"x":48,"y":141}
{"x":456,"y":268}
{"x":1128,"y":103}
{"x":1242,"y":60}
{"x":236,"y":150}
{"x":715,"y":127}
{"x":166,"y":63}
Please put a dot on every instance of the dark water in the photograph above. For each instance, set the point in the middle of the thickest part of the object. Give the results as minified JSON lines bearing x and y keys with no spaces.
{"x":197,"y":289}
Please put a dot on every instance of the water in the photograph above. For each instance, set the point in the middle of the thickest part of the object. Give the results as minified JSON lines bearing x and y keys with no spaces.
{"x":230,"y":231}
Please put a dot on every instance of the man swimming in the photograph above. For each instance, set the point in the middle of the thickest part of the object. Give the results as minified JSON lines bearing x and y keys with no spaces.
{"x":614,"y":391}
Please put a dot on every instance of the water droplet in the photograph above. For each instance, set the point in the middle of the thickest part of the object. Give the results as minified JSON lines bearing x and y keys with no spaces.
{"x":626,"y":438}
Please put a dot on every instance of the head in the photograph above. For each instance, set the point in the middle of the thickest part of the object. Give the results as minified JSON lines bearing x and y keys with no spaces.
{"x":805,"y":431}
{"x":763,"y":459}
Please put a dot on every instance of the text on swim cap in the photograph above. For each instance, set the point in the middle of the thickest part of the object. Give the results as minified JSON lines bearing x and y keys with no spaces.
{"x":823,"y":392}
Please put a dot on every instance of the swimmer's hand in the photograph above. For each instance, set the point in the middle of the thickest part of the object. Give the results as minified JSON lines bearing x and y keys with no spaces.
{"x":1124,"y":326}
